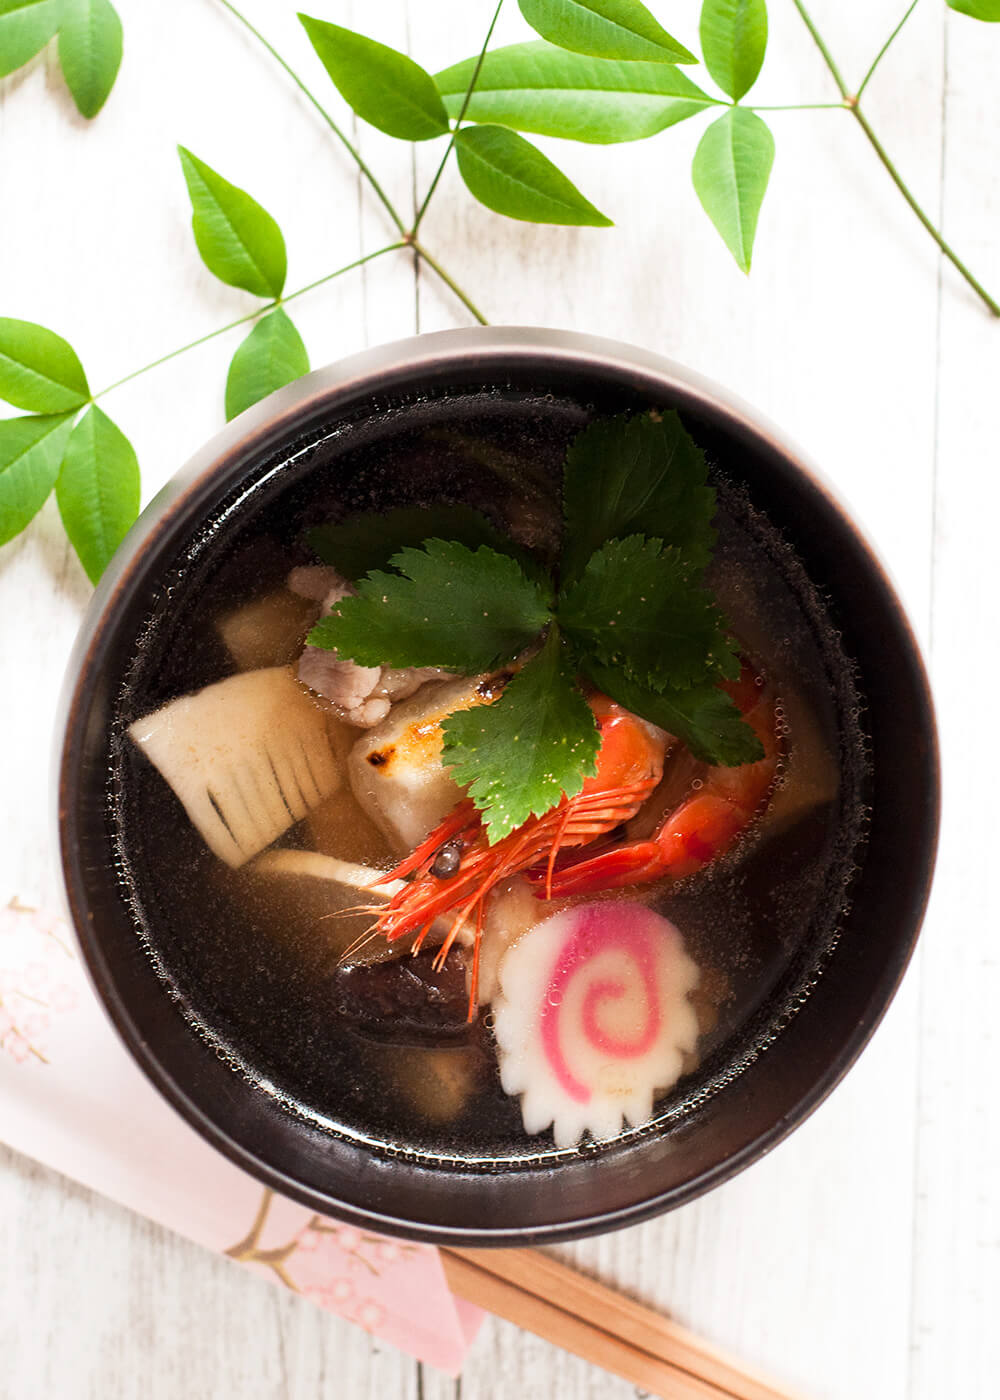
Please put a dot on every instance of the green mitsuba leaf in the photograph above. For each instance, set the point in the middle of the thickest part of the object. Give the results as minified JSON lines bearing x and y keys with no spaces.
{"x":461,"y":609}
{"x":511,"y":176}
{"x":636,"y":475}
{"x":521,"y":753}
{"x":703,"y":717}
{"x":25,"y":27}
{"x":98,"y":489}
{"x":386,"y":88}
{"x":543,"y":89}
{"x":731,"y":168}
{"x":237,"y":238}
{"x":38,"y":369}
{"x":271,"y":356}
{"x":90,"y":51}
{"x":988,"y":10}
{"x":733,"y":40}
{"x":604,"y":28}
{"x":368,"y":541}
{"x":31,"y":450}
{"x":633,"y":616}
{"x":637,"y":608}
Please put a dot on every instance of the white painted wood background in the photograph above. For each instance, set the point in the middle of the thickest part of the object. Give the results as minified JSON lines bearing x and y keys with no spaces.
{"x":862,"y":1258}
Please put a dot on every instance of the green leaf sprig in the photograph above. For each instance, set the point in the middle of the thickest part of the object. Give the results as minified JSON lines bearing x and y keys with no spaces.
{"x":243,"y":246}
{"x":630,"y":613}
{"x":90,"y":43}
{"x":84,"y":456}
{"x":601,"y":72}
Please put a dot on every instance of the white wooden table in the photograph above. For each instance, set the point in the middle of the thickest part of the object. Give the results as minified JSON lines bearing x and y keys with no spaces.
{"x":862,"y":1257}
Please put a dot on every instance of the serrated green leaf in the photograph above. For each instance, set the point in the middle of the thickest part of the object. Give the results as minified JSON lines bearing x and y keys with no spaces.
{"x":25,"y":27}
{"x":511,"y":176}
{"x":731,"y":168}
{"x":236,"y":237}
{"x":31,"y":451}
{"x":386,"y":88}
{"x":461,"y":609}
{"x":636,"y":475}
{"x":702,"y":717}
{"x":38,"y":369}
{"x":368,"y":541}
{"x":636,"y":607}
{"x":521,"y":753}
{"x":271,"y":356}
{"x":734,"y":40}
{"x":543,"y":89}
{"x":90,"y":51}
{"x":98,"y":489}
{"x":988,"y":10}
{"x":605,"y":29}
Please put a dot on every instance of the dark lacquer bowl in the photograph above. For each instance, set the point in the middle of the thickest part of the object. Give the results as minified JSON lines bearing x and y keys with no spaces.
{"x":819,"y":1019}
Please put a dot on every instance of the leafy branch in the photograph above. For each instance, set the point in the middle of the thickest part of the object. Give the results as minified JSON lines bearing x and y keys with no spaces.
{"x":71,"y":446}
{"x":89,"y":37}
{"x":978,"y":9}
{"x":600,"y":72}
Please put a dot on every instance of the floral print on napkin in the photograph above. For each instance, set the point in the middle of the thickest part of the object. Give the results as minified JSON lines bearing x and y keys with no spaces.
{"x":72,"y":1097}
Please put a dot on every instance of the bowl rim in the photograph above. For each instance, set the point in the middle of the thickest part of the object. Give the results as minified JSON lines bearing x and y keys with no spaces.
{"x":487,"y":350}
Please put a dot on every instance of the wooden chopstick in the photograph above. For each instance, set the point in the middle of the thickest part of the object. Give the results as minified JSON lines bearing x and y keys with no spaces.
{"x":581,"y":1315}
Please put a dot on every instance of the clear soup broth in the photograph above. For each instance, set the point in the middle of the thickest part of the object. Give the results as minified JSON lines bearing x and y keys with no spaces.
{"x":256,"y":964}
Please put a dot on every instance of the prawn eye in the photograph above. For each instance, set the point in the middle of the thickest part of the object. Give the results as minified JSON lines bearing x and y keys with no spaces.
{"x":447,"y":860}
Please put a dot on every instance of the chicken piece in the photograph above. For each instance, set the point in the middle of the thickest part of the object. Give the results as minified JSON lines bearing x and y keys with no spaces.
{"x":438,"y":1082}
{"x":347,"y":686}
{"x":362,"y":695}
{"x":314,"y":581}
{"x":268,"y":631}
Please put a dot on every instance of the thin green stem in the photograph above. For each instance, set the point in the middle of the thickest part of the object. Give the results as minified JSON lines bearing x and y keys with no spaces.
{"x":884,"y":50}
{"x":242,"y":320}
{"x":904,"y":190}
{"x":356,"y":156}
{"x":339,"y":272}
{"x":461,"y":117}
{"x":797,"y":107}
{"x":851,"y":104}
{"x":348,"y":145}
{"x":463,"y":297}
{"x":820,"y":44}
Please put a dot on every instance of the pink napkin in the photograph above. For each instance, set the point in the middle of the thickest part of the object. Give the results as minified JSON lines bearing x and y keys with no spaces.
{"x":71,"y":1097}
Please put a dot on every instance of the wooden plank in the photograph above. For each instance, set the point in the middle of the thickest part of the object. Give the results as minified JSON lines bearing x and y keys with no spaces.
{"x":955,"y":1342}
{"x":96,"y":1301}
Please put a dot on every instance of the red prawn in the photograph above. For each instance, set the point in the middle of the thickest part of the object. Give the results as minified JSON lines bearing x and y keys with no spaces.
{"x":716,"y":805}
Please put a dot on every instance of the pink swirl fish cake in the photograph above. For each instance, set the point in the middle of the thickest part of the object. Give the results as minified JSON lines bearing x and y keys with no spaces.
{"x":593,"y":1019}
